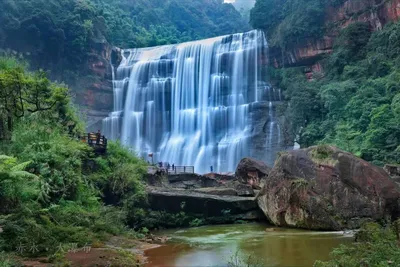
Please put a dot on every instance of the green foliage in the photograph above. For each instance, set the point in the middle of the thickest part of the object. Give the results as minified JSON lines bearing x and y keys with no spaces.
{"x":355,"y":105}
{"x":290,"y":21}
{"x":196,"y":222}
{"x":374,"y":246}
{"x":8,"y":261}
{"x":153,"y":22}
{"x":52,"y":185}
{"x":16,"y":184}
{"x":23,"y":94}
{"x":161,"y":219}
{"x":119,"y":176}
{"x":350,"y":46}
{"x":61,"y":35}
{"x":52,"y":29}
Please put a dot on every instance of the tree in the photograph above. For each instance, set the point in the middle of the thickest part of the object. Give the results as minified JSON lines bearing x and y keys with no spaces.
{"x":22,"y":93}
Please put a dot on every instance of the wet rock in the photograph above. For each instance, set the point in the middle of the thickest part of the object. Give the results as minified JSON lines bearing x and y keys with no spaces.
{"x":175,"y":200}
{"x":325,"y":188}
{"x":245,"y":190}
{"x":251,"y":171}
{"x":192,"y":181}
{"x":217,"y":191}
{"x":393,"y":170}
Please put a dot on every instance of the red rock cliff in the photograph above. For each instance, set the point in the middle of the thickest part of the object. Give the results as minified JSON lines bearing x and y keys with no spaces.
{"x":376,"y":12}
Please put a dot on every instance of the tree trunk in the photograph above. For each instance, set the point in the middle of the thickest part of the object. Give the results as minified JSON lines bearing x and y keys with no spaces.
{"x":2,"y":130}
{"x":9,"y":123}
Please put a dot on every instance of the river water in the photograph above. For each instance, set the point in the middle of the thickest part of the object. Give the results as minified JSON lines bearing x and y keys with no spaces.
{"x":216,"y":245}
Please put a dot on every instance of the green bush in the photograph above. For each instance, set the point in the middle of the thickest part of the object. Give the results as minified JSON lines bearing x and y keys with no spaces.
{"x":375,"y":246}
{"x":196,"y":222}
{"x":52,"y":187}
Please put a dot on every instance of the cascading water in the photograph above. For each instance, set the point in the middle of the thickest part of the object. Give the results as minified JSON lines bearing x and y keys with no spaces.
{"x":191,"y":104}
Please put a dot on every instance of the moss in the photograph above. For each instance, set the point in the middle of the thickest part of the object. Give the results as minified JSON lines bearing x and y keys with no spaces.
{"x":300,"y":183}
{"x":281,"y":154}
{"x":323,"y":154}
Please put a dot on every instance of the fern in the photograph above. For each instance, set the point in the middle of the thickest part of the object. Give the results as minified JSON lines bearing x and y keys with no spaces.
{"x":21,"y":167}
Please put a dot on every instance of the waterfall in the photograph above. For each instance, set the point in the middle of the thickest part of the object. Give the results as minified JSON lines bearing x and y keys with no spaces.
{"x":190,"y":104}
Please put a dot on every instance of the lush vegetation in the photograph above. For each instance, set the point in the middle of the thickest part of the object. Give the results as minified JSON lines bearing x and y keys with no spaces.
{"x":374,"y":246}
{"x":153,"y":22}
{"x":54,"y":191}
{"x":355,"y":104}
{"x":289,"y":22}
{"x":59,"y":34}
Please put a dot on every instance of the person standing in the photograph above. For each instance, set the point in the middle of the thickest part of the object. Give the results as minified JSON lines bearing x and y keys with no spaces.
{"x":211,"y":169}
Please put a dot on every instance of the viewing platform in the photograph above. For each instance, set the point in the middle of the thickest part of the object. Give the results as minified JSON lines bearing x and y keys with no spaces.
{"x":95,"y":140}
{"x":171,"y":170}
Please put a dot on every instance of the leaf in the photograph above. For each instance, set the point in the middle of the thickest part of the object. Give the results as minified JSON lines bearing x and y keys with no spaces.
{"x":23,"y":175}
{"x":4,"y":157}
{"x":21,"y":166}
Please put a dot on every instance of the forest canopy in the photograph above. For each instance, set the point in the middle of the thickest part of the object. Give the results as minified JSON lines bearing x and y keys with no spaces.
{"x":288,"y":22}
{"x":60,"y":32}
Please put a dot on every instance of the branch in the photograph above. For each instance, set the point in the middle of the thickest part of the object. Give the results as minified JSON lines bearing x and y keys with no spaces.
{"x":42,"y":109}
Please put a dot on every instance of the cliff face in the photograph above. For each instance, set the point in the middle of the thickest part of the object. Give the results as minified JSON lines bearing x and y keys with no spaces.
{"x":94,"y":91}
{"x":376,"y":12}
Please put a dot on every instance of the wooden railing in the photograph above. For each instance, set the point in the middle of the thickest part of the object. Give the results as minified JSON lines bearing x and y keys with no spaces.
{"x":95,"y":140}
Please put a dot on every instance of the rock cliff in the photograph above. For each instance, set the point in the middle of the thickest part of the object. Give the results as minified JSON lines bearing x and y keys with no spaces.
{"x":94,"y":91}
{"x":307,"y":53}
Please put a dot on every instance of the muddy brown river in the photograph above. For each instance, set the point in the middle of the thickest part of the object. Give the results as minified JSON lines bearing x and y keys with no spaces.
{"x":218,"y":245}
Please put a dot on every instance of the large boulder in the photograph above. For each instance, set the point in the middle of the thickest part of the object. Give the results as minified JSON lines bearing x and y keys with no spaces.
{"x":325,"y":188}
{"x":251,"y":171}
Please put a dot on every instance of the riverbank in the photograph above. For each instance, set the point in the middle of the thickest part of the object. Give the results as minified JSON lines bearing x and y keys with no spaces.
{"x":118,"y":251}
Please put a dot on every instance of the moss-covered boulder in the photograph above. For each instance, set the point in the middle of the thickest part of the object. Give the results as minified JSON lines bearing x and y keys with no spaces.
{"x":326,"y":188}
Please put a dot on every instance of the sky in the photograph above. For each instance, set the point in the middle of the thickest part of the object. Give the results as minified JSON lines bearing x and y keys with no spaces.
{"x":242,"y":3}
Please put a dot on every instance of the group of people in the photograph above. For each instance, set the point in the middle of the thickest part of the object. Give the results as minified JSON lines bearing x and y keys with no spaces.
{"x":166,"y":165}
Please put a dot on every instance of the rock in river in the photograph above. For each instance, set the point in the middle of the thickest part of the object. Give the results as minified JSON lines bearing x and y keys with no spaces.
{"x":325,"y":188}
